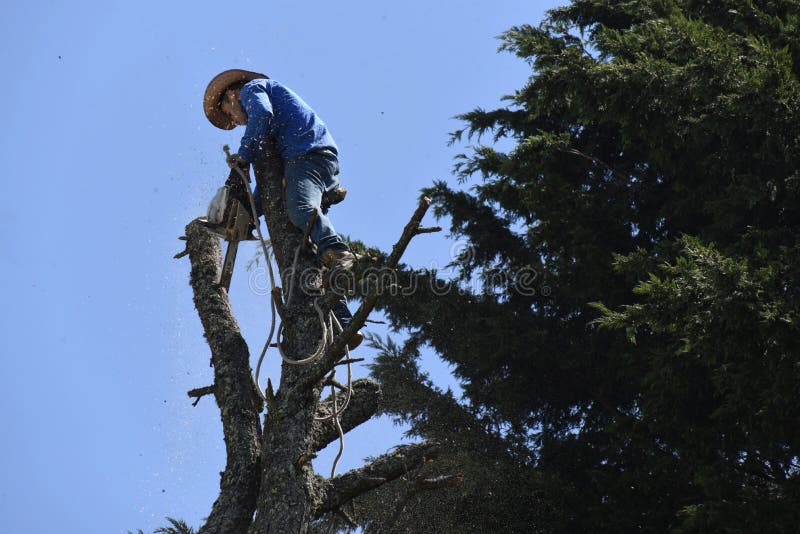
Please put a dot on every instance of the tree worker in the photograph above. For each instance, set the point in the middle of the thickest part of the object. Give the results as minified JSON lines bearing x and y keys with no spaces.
{"x":269,"y":109}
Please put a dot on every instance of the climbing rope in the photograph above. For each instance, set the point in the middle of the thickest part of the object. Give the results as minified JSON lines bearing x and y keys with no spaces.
{"x":328,"y":333}
{"x":349,"y":387}
{"x":246,"y":182}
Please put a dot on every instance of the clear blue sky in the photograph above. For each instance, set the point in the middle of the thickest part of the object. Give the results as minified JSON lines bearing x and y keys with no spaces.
{"x":107,"y":155}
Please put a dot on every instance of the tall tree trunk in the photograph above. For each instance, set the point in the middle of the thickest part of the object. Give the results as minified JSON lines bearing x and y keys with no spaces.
{"x":280,"y":485}
{"x":291,"y":491}
{"x":232,"y":388}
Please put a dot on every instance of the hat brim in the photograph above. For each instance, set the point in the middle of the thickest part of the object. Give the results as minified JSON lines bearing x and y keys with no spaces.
{"x":217,"y":87}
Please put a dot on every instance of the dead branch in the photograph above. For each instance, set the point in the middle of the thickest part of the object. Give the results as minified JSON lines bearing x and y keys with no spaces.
{"x":335,"y":383}
{"x":383,"y":469}
{"x":337,"y":347}
{"x":363,"y":405}
{"x":595,"y":160}
{"x":350,"y":360}
{"x":199,"y":393}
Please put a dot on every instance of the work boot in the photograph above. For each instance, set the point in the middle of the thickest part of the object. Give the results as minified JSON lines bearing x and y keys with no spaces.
{"x":356,"y":340}
{"x":353,"y":342}
{"x":337,"y":259}
{"x":334,"y":196}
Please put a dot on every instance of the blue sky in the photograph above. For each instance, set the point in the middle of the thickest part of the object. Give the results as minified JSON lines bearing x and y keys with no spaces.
{"x":107,"y":155}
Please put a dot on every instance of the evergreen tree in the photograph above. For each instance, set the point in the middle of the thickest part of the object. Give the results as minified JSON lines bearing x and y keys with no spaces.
{"x":631,"y":362}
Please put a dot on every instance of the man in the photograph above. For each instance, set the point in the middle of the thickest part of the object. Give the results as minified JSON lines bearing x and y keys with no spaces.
{"x":269,"y":109}
{"x":311,"y":166}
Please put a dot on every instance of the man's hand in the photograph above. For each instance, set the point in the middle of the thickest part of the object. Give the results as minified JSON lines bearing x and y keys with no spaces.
{"x":235,"y":160}
{"x":239,"y":169}
{"x":237,"y":187}
{"x":238,"y":181}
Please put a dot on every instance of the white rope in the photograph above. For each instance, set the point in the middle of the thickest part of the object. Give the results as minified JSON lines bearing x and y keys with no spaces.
{"x":246,"y":183}
{"x":340,"y":411}
{"x":327,"y":328}
{"x":337,"y":412}
{"x":327,"y":339}
{"x":338,"y":428}
{"x":328,"y":333}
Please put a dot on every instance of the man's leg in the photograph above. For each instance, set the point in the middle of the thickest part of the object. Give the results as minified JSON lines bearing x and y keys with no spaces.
{"x":344,"y":317}
{"x":307,"y":178}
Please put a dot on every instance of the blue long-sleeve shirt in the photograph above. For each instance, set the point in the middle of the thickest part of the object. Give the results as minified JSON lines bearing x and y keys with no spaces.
{"x":274,"y":110}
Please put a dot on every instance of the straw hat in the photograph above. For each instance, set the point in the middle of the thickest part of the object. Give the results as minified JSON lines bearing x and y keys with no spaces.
{"x":217,"y":87}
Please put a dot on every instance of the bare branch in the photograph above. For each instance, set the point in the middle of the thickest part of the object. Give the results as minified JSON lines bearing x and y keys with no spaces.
{"x":233,"y":387}
{"x":428,"y":230}
{"x":595,"y":160}
{"x":350,"y":360}
{"x":383,"y":469}
{"x":199,"y":393}
{"x":361,"y":315}
{"x":363,"y":405}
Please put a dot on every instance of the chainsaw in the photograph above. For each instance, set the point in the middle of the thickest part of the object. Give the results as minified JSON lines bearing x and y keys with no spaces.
{"x":231,"y":220}
{"x":228,"y":218}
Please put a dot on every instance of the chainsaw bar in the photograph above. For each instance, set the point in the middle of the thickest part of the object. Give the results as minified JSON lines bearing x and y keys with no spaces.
{"x":233,"y":230}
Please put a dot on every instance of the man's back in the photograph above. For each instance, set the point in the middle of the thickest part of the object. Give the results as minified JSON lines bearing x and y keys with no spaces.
{"x":275,"y":110}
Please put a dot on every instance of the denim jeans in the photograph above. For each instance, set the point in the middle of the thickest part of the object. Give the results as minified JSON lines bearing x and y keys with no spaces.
{"x":342,"y":312}
{"x":307,"y":178}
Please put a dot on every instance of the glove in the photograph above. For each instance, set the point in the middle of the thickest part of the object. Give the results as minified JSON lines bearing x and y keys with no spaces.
{"x":238,"y":190}
{"x":235,"y":160}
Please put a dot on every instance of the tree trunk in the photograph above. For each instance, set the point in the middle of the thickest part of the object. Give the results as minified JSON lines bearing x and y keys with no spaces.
{"x":290,"y":491}
{"x":232,"y":387}
{"x":280,"y":485}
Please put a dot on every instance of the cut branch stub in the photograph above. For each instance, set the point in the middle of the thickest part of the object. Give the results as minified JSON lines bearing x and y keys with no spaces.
{"x":199,"y":393}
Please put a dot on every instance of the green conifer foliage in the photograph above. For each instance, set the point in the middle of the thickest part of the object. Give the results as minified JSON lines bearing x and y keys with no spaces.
{"x":631,"y":362}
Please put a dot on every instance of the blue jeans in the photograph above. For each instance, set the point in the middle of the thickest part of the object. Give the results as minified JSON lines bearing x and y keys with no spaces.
{"x":307,"y":178}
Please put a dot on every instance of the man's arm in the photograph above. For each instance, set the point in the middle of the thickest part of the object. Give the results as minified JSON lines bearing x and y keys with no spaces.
{"x":255,"y":101}
{"x":237,"y":186}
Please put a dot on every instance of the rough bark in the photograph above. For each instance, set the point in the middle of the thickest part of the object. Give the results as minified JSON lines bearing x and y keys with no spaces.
{"x":290,"y":491}
{"x":233,"y":390}
{"x":383,"y":469}
{"x":271,"y":473}
{"x":363,"y":405}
